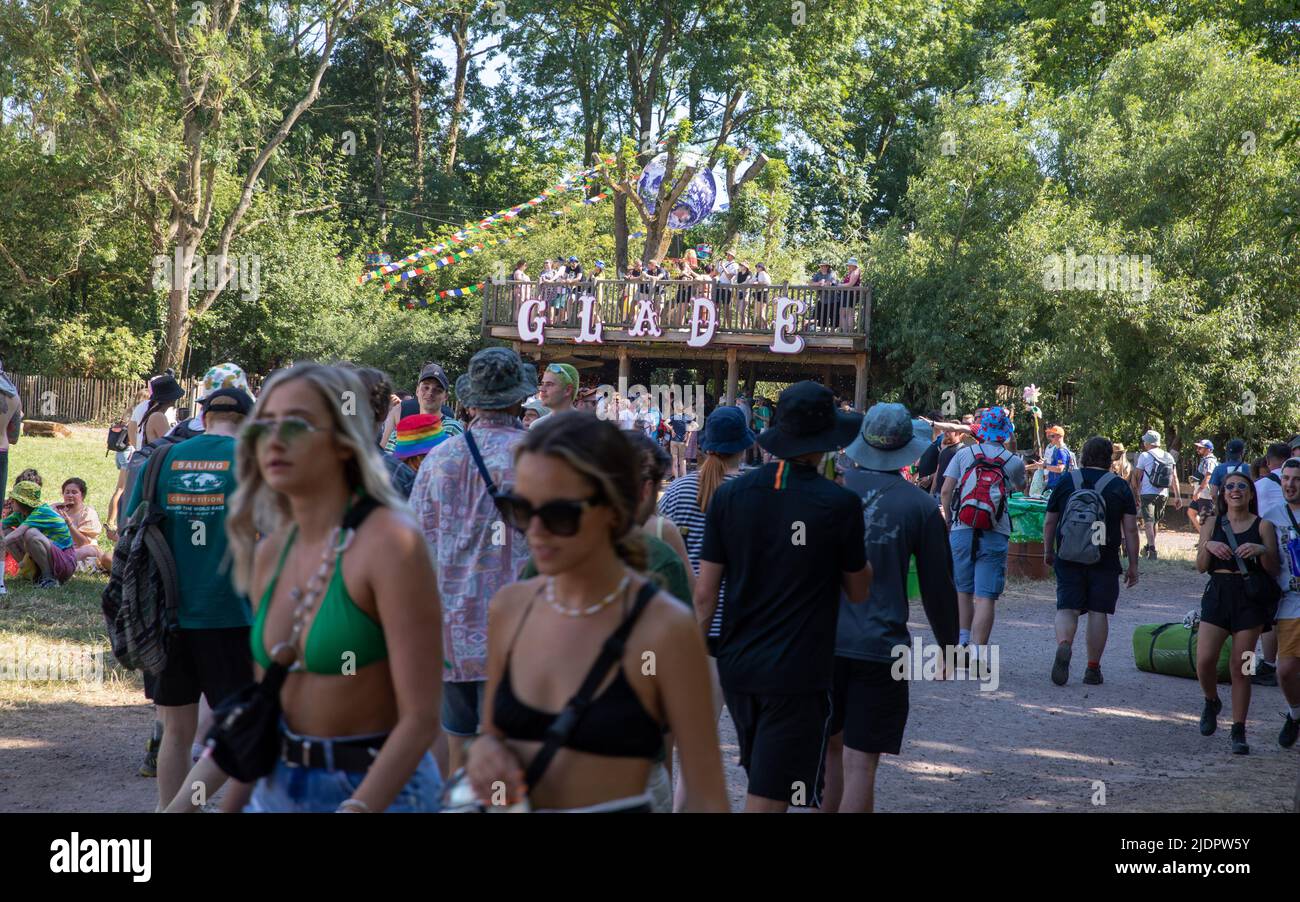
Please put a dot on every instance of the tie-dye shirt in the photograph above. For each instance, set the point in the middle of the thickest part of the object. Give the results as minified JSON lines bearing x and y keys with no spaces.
{"x":45,"y":520}
{"x":475,"y":553}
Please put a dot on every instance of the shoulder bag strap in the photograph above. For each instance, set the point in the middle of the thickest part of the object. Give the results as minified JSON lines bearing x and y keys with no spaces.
{"x":1232,"y":543}
{"x":478,"y":462}
{"x":567,"y":721}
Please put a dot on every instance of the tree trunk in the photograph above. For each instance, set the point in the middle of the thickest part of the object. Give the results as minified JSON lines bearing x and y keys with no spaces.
{"x":620,"y":234}
{"x":415,"y":87}
{"x":459,"y":34}
{"x":380,"y":102}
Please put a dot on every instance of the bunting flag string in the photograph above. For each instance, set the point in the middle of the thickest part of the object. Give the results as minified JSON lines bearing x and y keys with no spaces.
{"x":580,"y":180}
{"x":417,"y":303}
{"x":414,"y":272}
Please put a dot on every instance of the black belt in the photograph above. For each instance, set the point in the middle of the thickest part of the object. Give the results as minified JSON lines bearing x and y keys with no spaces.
{"x":353,"y":755}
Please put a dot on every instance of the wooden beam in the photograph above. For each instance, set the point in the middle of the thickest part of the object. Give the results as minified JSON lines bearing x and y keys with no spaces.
{"x":860,"y":382}
{"x":733,"y":373}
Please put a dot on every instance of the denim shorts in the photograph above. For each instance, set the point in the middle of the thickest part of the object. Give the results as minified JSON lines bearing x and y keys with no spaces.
{"x":986,"y":575}
{"x":462,"y":707}
{"x":316,"y":790}
{"x":124,"y":457}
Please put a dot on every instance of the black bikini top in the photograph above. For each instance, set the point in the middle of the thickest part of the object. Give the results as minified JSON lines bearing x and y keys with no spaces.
{"x":615,"y":724}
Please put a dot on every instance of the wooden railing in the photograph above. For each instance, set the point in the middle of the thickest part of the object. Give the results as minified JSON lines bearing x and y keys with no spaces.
{"x":746,"y":308}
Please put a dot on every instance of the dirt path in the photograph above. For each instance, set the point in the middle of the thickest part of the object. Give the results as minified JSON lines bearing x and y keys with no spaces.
{"x":1028,"y":746}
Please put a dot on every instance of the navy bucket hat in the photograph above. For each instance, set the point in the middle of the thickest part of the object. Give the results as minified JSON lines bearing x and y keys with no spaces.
{"x":725,"y":432}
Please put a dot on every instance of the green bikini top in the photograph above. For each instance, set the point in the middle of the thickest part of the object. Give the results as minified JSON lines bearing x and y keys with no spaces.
{"x":339,"y":629}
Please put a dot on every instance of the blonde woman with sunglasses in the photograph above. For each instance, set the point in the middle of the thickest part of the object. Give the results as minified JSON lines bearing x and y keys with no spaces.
{"x":1226,"y":609}
{"x":342,"y":583}
{"x":576,"y":494}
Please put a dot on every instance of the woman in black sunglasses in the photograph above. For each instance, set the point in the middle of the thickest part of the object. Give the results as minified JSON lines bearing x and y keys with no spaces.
{"x":576,"y":496}
{"x":1226,"y":610}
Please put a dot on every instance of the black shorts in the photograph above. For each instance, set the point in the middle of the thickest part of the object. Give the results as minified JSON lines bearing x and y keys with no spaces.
{"x":869,"y":706}
{"x":783,"y":743}
{"x":1204,"y":507}
{"x":1224,"y":604}
{"x":216,"y":663}
{"x":1082,"y":587}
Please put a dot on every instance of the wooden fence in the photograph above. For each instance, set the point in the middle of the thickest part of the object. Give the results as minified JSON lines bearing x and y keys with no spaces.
{"x":74,"y":399}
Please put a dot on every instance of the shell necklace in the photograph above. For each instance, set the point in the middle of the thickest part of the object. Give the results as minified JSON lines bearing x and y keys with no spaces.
{"x":588,"y":611}
{"x":305,"y":600}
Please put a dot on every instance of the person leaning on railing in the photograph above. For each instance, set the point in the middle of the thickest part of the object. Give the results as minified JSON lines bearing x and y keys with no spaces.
{"x":849,"y":298}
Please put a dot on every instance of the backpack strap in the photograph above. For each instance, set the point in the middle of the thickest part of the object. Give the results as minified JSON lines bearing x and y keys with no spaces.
{"x":154,"y":540}
{"x":567,"y":720}
{"x":1077,"y":478}
{"x":1101,"y":483}
{"x":1232,"y":543}
{"x":478,"y":462}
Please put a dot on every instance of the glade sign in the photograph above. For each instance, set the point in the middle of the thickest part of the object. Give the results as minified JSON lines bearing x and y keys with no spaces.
{"x":531,"y":323}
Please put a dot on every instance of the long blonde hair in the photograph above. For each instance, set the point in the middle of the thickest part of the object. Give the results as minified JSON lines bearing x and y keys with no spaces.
{"x":712,"y":474}
{"x":256,"y":509}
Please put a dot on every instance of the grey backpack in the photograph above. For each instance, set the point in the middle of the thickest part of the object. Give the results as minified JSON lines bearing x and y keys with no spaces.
{"x":1081,"y":540}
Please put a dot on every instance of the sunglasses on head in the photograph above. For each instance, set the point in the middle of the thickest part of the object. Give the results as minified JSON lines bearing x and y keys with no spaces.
{"x":561,"y":517}
{"x":288,"y":430}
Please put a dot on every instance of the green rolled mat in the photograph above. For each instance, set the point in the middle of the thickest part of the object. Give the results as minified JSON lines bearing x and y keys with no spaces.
{"x":1027,"y":517}
{"x":1170,"y":648}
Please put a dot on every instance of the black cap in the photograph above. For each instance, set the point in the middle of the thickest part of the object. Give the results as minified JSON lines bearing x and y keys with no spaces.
{"x":228,"y":400}
{"x":1235,"y":446}
{"x":434,"y":371}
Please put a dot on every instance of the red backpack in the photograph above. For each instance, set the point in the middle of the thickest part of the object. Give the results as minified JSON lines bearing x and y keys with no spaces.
{"x":983,"y":493}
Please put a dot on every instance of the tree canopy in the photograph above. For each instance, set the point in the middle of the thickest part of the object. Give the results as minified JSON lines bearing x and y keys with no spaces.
{"x":996,"y":164}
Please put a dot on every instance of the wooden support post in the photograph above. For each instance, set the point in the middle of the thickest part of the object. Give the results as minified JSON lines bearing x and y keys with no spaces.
{"x":733,"y":374}
{"x":624,"y":368}
{"x":860,"y":382}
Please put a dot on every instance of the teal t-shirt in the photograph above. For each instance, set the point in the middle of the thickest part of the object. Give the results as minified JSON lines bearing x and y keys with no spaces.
{"x":194,"y":490}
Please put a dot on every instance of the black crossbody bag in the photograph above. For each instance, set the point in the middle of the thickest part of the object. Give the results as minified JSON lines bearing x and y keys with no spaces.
{"x":459,"y":798}
{"x":1261,"y":588}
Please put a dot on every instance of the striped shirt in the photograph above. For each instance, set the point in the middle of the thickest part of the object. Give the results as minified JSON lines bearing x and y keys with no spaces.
{"x":45,"y":520}
{"x":680,"y":503}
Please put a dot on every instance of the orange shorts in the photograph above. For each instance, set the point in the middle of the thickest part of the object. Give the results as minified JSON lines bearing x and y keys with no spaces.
{"x":1288,"y":637}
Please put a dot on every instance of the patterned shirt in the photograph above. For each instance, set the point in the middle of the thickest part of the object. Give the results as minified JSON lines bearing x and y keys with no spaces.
{"x":474,"y":551}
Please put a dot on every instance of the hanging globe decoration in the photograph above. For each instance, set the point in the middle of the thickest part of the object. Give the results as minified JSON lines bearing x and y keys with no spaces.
{"x":697,"y":201}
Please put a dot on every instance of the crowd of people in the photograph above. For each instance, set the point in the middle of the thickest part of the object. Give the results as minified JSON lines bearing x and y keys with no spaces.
{"x":598,"y":577}
{"x":738,"y":287}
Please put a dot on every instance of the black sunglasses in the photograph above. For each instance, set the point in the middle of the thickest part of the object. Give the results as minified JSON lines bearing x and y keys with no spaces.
{"x":561,"y":517}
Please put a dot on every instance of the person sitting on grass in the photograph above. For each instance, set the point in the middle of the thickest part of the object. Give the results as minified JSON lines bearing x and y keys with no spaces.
{"x":37,"y":531}
{"x":83,"y":523}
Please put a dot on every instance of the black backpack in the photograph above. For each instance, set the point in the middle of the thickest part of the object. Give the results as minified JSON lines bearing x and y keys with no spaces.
{"x":118,"y":438}
{"x":1161,"y":475}
{"x":141,"y":601}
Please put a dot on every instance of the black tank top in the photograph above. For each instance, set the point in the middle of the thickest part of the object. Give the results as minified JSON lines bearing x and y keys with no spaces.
{"x":1251,"y":535}
{"x":615,"y":724}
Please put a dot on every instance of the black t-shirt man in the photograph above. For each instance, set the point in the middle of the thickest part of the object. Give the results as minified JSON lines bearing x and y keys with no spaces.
{"x":929,"y":462}
{"x":1118,"y":498}
{"x":785,"y":535}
